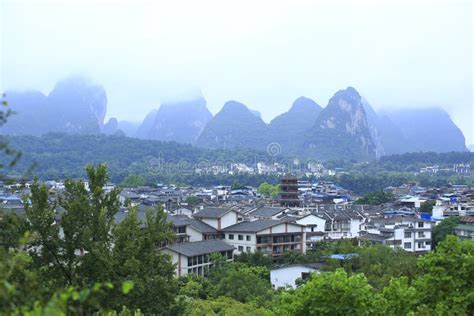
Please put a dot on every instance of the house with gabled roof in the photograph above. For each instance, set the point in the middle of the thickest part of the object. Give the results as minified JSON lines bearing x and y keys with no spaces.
{"x":190,"y":229}
{"x":195,"y":257}
{"x":271,"y":237}
{"x":268,"y":212}
{"x":218,"y":217}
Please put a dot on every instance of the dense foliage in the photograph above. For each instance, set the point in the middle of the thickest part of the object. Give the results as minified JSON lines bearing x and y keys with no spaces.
{"x":60,"y":156}
{"x":87,"y":248}
{"x":133,"y":181}
{"x":444,"y":228}
{"x":375,"y":198}
{"x":269,"y":190}
{"x":362,"y":182}
{"x":443,"y":285}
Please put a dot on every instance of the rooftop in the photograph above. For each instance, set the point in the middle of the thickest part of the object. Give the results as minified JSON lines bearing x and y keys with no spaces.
{"x":253,"y":227}
{"x":191,"y":249}
{"x":266,"y":211}
{"x":212,"y":212}
{"x":183,"y":220}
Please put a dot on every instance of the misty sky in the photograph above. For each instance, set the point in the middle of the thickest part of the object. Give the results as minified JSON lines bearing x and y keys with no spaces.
{"x":262,"y":53}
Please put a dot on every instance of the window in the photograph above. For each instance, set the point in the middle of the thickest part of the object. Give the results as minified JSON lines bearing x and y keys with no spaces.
{"x":231,"y":236}
{"x":421,"y":234}
{"x":407,"y":245}
{"x":420,"y":224}
{"x":407,"y":234}
{"x":421,"y":245}
{"x":248,"y":249}
{"x":241,"y":237}
{"x":263,"y":240}
{"x":249,"y":238}
{"x":241,"y":248}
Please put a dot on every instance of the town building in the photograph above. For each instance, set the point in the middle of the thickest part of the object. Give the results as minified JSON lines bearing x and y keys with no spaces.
{"x":409,"y":233}
{"x":289,"y":191}
{"x":465,"y":230}
{"x":271,"y":237}
{"x":196,"y":257}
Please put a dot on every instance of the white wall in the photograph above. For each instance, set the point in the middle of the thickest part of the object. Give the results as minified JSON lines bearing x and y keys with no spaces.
{"x":194,"y":235}
{"x":287,"y":276}
{"x":355,"y":227}
{"x":243,"y":243}
{"x":282,"y":228}
{"x":211,"y":222}
{"x":228,"y":219}
{"x":313,"y":220}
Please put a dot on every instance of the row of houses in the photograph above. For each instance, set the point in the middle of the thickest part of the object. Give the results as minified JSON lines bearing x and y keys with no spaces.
{"x":275,"y":231}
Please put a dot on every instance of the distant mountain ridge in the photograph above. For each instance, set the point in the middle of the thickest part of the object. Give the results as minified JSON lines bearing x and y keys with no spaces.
{"x":289,"y":126}
{"x":429,"y":129}
{"x":341,"y":129}
{"x":347,"y":128}
{"x":235,"y":126}
{"x":182,"y":121}
{"x":75,"y":105}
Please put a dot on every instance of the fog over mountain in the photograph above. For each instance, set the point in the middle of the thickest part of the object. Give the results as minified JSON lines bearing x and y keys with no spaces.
{"x":397,"y":54}
{"x":347,"y":128}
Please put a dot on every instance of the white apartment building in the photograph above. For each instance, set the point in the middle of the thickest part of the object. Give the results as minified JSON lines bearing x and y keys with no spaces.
{"x":410,"y":234}
{"x":195,"y":257}
{"x":272,"y":237}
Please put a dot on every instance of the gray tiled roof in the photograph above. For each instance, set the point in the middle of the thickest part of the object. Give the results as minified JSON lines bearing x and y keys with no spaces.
{"x":212,"y":212}
{"x":141,"y":213}
{"x":191,"y":249}
{"x":183,"y":220}
{"x":265,"y":211}
{"x":254,"y":226}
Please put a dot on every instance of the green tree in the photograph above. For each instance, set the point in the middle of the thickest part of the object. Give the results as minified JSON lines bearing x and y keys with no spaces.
{"x":5,"y":148}
{"x":194,"y":286}
{"x":381,"y":263}
{"x":400,"y":298}
{"x":76,"y":253}
{"x":331,"y":293}
{"x":236,"y":185}
{"x":427,"y":207}
{"x":192,"y":200}
{"x":444,"y":228}
{"x":375,"y":198}
{"x":269,"y":190}
{"x":19,"y":283}
{"x":256,"y":258}
{"x":12,"y":229}
{"x":133,"y":181}
{"x":446,"y":285}
{"x":136,"y":257}
{"x":242,"y":283}
{"x":87,"y":247}
{"x":224,"y":306}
